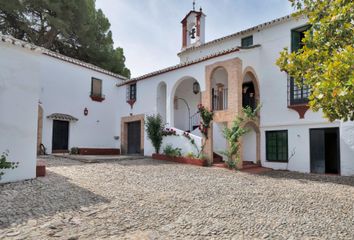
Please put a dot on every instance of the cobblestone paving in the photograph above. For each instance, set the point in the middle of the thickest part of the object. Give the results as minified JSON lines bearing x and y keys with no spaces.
{"x":147,"y":199}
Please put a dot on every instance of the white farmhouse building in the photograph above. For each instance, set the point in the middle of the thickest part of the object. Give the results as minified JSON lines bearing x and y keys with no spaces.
{"x":53,"y":101}
{"x":84,"y":106}
{"x":232,"y":72}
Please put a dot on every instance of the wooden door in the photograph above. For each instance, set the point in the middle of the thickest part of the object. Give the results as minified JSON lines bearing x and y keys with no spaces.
{"x":60,"y":135}
{"x":317,"y":151}
{"x":134,"y":136}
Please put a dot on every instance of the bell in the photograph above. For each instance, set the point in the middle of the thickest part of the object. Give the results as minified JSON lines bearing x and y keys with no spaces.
{"x":192,"y":33}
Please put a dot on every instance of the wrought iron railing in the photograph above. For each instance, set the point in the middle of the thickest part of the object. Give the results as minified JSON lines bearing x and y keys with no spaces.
{"x":195,"y":121}
{"x":219,"y":99}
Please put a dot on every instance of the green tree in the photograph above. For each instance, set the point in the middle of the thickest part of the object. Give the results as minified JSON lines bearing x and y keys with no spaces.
{"x":73,"y":28}
{"x":326,"y":60}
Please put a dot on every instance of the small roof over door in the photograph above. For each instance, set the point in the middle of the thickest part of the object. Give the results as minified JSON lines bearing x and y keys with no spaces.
{"x":62,"y":117}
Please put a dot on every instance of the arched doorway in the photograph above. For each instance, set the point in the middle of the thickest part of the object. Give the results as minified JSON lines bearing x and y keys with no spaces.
{"x":251,"y":144}
{"x":161,"y":100}
{"x":185,"y":99}
{"x":250,"y":141}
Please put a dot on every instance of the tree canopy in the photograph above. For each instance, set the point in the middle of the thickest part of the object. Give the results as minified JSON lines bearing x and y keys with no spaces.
{"x":325,"y":63}
{"x":73,"y":28}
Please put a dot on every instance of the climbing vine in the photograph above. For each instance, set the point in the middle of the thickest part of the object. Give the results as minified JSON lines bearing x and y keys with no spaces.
{"x":5,"y":164}
{"x":207,"y":118}
{"x":233,"y":135}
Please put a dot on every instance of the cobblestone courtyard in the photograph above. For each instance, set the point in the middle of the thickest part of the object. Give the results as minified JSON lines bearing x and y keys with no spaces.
{"x":147,"y":199}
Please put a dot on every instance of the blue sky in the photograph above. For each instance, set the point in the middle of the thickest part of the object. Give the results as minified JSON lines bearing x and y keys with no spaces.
{"x":150,"y":30}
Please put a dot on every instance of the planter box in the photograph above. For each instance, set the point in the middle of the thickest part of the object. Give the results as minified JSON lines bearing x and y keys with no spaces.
{"x":40,"y":169}
{"x":185,"y":160}
{"x":99,"y":151}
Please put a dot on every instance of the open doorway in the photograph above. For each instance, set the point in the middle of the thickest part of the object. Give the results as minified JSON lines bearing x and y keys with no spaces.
{"x":60,"y":138}
{"x":324,"y":150}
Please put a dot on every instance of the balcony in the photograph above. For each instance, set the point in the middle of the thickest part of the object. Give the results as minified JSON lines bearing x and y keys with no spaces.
{"x":98,"y":97}
{"x":219,"y":99}
{"x":298,"y":97}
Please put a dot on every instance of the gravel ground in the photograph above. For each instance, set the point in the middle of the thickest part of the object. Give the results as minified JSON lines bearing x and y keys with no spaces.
{"x":147,"y":199}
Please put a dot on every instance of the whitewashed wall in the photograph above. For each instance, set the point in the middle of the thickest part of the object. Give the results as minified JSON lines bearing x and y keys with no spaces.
{"x":19,"y":94}
{"x":249,"y":150}
{"x":65,"y":88}
{"x":219,"y":142}
{"x":347,"y":148}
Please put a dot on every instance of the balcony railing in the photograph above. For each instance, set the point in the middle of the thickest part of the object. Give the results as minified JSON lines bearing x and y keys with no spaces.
{"x":219,"y":99}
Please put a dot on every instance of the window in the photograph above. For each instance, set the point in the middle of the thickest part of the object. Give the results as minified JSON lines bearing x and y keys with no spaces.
{"x":277,"y":146}
{"x":296,"y":38}
{"x":298,"y":94}
{"x":247,"y":41}
{"x":96,"y":90}
{"x":131,"y":92}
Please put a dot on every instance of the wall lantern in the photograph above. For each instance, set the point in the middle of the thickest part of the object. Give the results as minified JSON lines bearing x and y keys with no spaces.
{"x":196,"y":88}
{"x":85,"y":111}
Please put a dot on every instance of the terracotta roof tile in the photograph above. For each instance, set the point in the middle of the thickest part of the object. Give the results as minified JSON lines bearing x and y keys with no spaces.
{"x":30,"y":46}
{"x":186,"y":64}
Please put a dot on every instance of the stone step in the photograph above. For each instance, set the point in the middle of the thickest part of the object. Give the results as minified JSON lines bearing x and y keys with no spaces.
{"x":219,"y":165}
{"x":217,"y":158}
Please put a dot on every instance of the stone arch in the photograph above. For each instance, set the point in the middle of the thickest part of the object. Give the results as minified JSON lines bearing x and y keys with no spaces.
{"x":219,"y":88}
{"x":249,"y":75}
{"x":233,"y":67}
{"x":161,"y":100}
{"x":247,"y":143}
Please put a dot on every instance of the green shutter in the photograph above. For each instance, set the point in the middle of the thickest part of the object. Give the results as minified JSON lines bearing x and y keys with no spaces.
{"x":295,"y":41}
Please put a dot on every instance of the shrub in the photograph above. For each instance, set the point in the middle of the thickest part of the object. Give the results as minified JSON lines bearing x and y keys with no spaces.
{"x":5,"y":164}
{"x":74,"y":150}
{"x":155,"y":131}
{"x":190,"y":155}
{"x":230,"y":163}
{"x":171,"y":151}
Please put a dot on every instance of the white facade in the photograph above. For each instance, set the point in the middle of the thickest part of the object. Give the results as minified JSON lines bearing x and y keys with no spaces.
{"x":65,"y":89}
{"x":274,"y":114}
{"x":19,"y":94}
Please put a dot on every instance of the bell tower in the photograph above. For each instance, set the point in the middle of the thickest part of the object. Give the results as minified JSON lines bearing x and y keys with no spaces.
{"x":193,"y":28}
